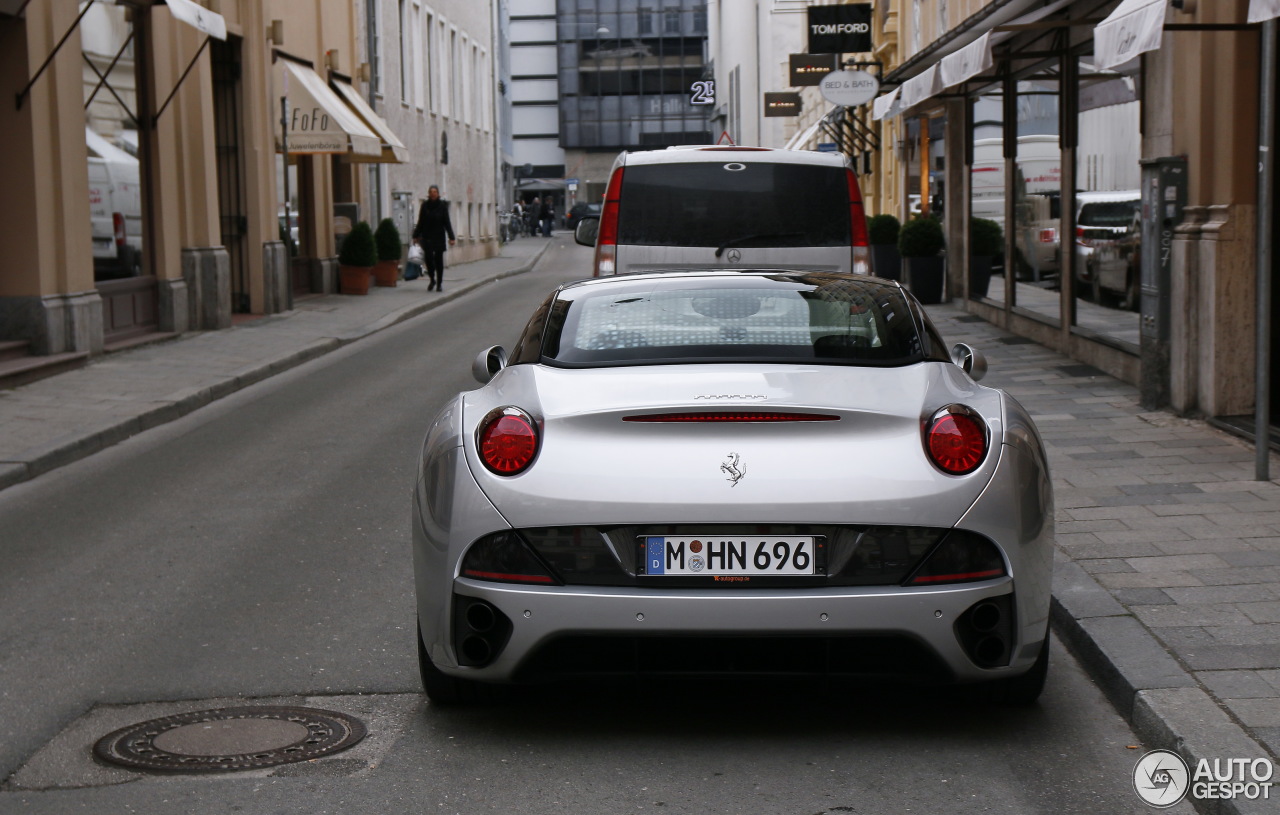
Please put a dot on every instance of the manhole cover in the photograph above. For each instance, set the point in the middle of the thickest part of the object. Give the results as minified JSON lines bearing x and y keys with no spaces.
{"x":233,"y":738}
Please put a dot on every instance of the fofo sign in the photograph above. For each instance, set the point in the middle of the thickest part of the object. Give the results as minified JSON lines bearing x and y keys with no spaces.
{"x":840,"y":29}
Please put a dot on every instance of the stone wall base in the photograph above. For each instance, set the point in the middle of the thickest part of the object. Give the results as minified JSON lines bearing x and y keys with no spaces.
{"x":207,"y":272}
{"x":54,"y":323}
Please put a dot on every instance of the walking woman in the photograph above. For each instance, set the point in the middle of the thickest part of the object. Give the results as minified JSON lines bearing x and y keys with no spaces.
{"x":433,"y":226}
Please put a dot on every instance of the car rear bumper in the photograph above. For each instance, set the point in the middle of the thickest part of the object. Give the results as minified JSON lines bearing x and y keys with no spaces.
{"x":882,"y":632}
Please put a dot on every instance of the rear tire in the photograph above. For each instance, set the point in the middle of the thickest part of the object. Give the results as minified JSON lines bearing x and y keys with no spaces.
{"x":443,"y":689}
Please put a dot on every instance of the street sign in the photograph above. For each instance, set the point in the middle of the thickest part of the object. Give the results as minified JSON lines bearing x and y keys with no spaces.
{"x":809,"y":69}
{"x":840,"y":29}
{"x":725,"y":138}
{"x":828,"y":147}
{"x":781,"y":104}
{"x":849,"y":88}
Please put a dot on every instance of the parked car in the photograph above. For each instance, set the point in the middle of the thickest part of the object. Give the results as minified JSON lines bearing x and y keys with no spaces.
{"x":1108,"y":236}
{"x":115,"y":209}
{"x":711,"y":472}
{"x":711,"y":207}
{"x":578,"y":211}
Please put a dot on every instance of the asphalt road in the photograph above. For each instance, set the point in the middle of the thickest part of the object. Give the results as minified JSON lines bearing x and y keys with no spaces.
{"x":258,"y":549}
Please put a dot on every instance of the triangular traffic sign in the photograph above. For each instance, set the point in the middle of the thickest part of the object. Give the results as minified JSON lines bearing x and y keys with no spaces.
{"x":725,"y":138}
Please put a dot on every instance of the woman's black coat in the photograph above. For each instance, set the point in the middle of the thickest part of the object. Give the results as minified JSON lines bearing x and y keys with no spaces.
{"x":434,"y":225}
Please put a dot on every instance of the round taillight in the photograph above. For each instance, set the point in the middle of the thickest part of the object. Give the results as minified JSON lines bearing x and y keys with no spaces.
{"x":508,"y":441}
{"x":956,"y":440}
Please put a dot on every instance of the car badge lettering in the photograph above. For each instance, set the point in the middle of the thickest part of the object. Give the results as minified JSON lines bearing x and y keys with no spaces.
{"x":756,"y":396}
{"x":732,"y":467}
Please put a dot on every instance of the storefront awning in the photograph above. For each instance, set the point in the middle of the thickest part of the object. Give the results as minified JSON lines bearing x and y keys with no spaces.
{"x":198,"y":17}
{"x":393,"y":150}
{"x":1135,"y":27}
{"x":1262,"y":10}
{"x":968,"y":62}
{"x":918,"y":88}
{"x":319,"y":121}
{"x":886,"y":104}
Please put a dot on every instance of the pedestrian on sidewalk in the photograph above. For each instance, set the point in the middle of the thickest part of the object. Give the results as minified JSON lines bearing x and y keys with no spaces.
{"x":548,"y":215}
{"x":431,"y":231}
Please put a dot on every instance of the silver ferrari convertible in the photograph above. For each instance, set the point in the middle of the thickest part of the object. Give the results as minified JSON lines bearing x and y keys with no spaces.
{"x":763,"y":473}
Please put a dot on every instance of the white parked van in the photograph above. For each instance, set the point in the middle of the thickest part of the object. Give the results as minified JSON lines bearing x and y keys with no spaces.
{"x":115,"y":209}
{"x":731,"y":207}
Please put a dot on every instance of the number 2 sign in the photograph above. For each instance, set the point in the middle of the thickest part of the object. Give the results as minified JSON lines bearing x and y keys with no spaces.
{"x":703,"y":92}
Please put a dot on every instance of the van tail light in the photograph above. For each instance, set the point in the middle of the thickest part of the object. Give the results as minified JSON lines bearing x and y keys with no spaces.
{"x":607,"y":238}
{"x":1048,"y":235}
{"x":117,"y":226}
{"x":858,"y":227}
{"x":507,"y":441}
{"x":956,"y":440}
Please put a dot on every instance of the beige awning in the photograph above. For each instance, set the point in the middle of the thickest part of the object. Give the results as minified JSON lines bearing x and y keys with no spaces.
{"x":393,"y":150}
{"x":319,"y":121}
{"x":1262,"y":10}
{"x":198,"y":17}
{"x":1135,"y":27}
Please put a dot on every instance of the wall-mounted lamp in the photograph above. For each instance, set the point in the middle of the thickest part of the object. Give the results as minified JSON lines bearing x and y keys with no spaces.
{"x":275,"y":32}
{"x":331,"y":59}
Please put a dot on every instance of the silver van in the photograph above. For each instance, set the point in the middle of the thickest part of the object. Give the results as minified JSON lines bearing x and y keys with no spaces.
{"x":728,"y":207}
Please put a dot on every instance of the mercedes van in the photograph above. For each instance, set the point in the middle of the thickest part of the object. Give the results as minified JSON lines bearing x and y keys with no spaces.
{"x":730,"y":207}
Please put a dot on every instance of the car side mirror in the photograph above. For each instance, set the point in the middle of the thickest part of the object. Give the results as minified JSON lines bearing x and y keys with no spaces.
{"x":587,"y":229}
{"x":970,"y":360}
{"x":488,"y":362}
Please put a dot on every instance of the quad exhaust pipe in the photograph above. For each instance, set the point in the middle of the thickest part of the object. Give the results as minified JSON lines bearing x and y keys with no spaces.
{"x":480,"y":631}
{"x":985,"y":631}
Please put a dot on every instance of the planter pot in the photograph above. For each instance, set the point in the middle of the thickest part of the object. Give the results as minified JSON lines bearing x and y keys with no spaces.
{"x":886,"y":261}
{"x":354,"y":279}
{"x":926,"y":278}
{"x":979,"y":274}
{"x":387,"y":272}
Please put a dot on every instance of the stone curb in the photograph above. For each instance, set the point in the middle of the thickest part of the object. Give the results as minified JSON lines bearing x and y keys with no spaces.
{"x":1160,"y":699}
{"x":72,"y":447}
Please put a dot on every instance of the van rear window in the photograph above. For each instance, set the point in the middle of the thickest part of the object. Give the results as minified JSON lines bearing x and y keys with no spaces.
{"x":761,"y":204}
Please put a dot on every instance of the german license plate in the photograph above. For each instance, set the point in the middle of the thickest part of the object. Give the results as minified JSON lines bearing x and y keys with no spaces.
{"x":718,"y":555}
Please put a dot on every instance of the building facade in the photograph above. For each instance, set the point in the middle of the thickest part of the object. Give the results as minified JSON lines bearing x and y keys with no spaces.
{"x":173,"y":165}
{"x":1123,"y":185}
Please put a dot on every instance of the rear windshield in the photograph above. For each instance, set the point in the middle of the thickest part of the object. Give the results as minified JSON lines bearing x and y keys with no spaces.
{"x":809,"y":319}
{"x":1114,"y":214}
{"x":752,"y":204}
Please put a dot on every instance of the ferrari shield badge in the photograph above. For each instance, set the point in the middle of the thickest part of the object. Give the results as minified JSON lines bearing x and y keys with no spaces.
{"x":732,"y":467}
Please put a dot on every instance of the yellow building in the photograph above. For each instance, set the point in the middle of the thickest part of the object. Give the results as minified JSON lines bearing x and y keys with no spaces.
{"x":1116,"y":147}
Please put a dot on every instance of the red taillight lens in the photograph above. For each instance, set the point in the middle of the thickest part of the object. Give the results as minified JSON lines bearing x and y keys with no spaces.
{"x":857,"y":215}
{"x":117,"y":225}
{"x":956,"y":439}
{"x":507,"y":441}
{"x":962,"y":557}
{"x":607,"y":237}
{"x":732,"y":416}
{"x":1048,"y":235}
{"x":506,"y":558}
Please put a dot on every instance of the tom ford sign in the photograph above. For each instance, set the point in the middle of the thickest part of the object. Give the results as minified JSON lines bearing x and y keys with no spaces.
{"x":840,"y":29}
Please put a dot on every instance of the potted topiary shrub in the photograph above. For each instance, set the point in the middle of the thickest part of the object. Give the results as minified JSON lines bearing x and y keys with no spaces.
{"x":356,"y":259}
{"x":387,"y":238}
{"x":882,"y":234}
{"x":921,"y":242}
{"x":986,"y":242}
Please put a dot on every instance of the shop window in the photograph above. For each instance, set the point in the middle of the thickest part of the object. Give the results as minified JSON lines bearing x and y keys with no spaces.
{"x":1107,"y":211}
{"x":987,"y":198}
{"x":1037,"y":240}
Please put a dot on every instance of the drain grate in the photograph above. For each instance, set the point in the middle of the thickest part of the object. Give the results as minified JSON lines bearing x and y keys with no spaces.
{"x":228,"y":739}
